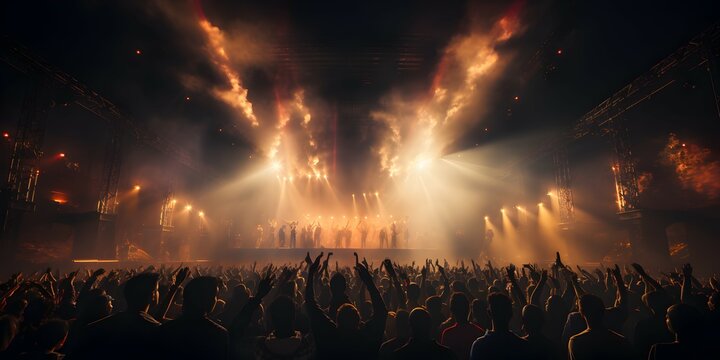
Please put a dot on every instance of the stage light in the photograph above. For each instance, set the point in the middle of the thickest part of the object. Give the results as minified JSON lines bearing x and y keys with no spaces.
{"x":325,"y":176}
{"x":136,"y":187}
{"x":377,"y":193}
{"x":519,"y":207}
{"x":487,"y":217}
{"x":549,"y":193}
{"x":516,"y":98}
{"x":291,"y":179}
{"x":309,"y":176}
{"x":6,"y":135}
{"x":201,"y":214}
{"x":138,"y":52}
{"x":62,"y":155}
{"x":502,"y":210}
{"x":363,"y":194}
{"x":540,"y":204}
{"x":187,"y":98}
{"x":188,"y":207}
{"x":276,"y":166}
{"x":422,"y":164}
{"x":559,"y":51}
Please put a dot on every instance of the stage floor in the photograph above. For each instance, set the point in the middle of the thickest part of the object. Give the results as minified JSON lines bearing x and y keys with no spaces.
{"x":343,"y":255}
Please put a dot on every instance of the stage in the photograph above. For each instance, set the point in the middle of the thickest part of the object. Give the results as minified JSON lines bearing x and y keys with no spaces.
{"x":343,"y":255}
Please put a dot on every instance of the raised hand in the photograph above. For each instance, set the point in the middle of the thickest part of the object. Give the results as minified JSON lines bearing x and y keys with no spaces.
{"x":510,"y":270}
{"x":308,"y":260}
{"x":389,"y":268}
{"x":98,"y":272}
{"x":638,"y":268}
{"x":315,"y":266}
{"x":363,"y":273}
{"x":181,"y":276}
{"x":687,"y":271}
{"x":266,"y":284}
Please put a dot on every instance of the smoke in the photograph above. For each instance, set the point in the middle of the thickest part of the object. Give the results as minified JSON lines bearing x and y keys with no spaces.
{"x":693,"y":166}
{"x":419,"y":129}
{"x":236,"y":95}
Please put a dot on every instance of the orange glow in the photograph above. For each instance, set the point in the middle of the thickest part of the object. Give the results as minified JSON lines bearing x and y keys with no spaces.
{"x":58,"y":197}
{"x":236,"y":96}
{"x":422,"y":128}
{"x":693,"y":166}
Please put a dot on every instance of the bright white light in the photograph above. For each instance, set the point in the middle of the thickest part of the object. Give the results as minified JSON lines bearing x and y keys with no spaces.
{"x":276,"y":166}
{"x":422,"y":164}
{"x":201,"y":214}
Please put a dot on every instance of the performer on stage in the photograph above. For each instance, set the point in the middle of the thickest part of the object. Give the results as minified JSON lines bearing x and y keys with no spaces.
{"x":383,"y":237}
{"x":338,"y":236}
{"x":293,"y":234}
{"x":281,"y":236}
{"x":393,"y":235}
{"x":347,"y":234}
{"x":271,"y":226}
{"x":364,"y":230}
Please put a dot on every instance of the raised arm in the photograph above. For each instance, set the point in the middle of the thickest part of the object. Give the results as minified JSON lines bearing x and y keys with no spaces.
{"x":515,"y":288}
{"x":89,"y":283}
{"x":243,"y":318}
{"x":402,"y":299}
{"x":686,"y":290}
{"x":537,"y":292}
{"x":647,"y":279}
{"x":621,"y":297}
{"x":318,"y":318}
{"x":161,"y":310}
{"x":379,"y":309}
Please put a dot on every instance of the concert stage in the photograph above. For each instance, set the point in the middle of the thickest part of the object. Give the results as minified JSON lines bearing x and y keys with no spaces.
{"x":343,"y":255}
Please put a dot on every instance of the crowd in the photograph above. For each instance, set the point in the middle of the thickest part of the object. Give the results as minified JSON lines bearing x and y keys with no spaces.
{"x":313,"y":310}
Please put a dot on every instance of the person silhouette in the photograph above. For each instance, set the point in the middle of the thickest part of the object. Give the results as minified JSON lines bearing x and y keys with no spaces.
{"x":499,"y":342}
{"x":686,"y":322}
{"x":597,"y":341}
{"x":193,"y":335}
{"x":460,"y":336}
{"x":421,"y":345}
